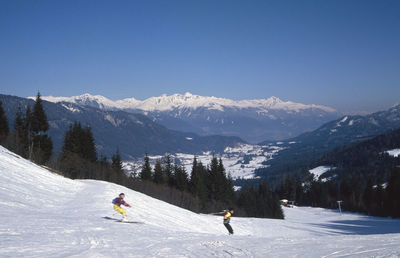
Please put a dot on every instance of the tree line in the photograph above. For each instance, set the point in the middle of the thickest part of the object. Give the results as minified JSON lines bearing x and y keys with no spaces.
{"x":365,"y":178}
{"x":28,"y":137}
{"x":207,"y":189}
{"x":373,"y":197}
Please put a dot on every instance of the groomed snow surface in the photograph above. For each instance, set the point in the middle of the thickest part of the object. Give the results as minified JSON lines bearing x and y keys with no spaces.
{"x":45,"y":215}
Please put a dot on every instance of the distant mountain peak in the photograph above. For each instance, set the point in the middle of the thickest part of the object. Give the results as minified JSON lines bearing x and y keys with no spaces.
{"x":253,"y":120}
{"x":187,"y":100}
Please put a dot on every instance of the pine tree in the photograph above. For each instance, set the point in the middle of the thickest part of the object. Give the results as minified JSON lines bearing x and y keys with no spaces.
{"x":393,"y":194}
{"x":78,"y":156}
{"x":116,"y":162}
{"x":198,"y":181}
{"x":226,"y":192}
{"x":158,"y":176}
{"x":368,"y":198}
{"x":248,"y":200}
{"x":41,"y":144}
{"x":169,"y":171}
{"x":103,"y":161}
{"x":28,"y":131}
{"x":194,"y":177}
{"x":39,"y":118}
{"x":214,"y":184}
{"x":20,"y":134}
{"x":80,"y":142}
{"x":4,"y":130}
{"x":379,"y":198}
{"x":181,"y":178}
{"x":288,"y":188}
{"x":219,"y":187}
{"x":146,"y":169}
{"x":88,"y":145}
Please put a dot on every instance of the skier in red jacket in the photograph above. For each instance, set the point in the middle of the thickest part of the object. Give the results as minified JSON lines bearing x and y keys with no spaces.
{"x":118,"y":201}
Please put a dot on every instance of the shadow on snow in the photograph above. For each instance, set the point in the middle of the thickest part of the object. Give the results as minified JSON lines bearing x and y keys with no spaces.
{"x":362,"y":227}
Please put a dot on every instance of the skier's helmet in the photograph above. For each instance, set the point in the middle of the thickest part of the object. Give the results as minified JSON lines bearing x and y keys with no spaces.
{"x":122,"y":195}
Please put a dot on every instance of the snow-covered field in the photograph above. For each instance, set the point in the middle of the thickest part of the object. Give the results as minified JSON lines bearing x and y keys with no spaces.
{"x":394,"y":153}
{"x":240,"y":161}
{"x":319,"y":171}
{"x":45,"y":215}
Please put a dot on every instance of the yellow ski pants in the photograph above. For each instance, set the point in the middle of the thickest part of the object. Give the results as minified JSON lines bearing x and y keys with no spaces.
{"x":120,"y":210}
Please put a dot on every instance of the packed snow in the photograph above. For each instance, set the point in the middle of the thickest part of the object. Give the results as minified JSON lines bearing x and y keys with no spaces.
{"x":43,"y":214}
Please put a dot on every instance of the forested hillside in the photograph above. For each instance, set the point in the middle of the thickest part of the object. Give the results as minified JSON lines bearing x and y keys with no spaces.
{"x":364,"y":176}
{"x":301,"y":153}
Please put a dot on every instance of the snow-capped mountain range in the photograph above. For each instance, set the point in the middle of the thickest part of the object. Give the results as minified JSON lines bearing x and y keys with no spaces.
{"x":186,"y":101}
{"x":252,"y":120}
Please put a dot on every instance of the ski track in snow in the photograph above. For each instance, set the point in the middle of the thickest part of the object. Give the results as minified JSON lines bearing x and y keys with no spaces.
{"x":45,"y":215}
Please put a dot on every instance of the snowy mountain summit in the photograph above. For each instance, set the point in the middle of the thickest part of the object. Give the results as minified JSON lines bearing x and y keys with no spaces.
{"x":186,"y":101}
{"x":252,"y":120}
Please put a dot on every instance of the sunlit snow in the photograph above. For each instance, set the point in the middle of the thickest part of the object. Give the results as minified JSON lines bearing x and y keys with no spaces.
{"x":43,"y":214}
{"x":319,"y":171}
{"x":240,"y":161}
{"x":394,"y":152}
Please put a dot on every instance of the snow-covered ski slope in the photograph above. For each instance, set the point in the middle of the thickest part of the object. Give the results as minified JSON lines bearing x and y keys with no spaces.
{"x":45,"y":215}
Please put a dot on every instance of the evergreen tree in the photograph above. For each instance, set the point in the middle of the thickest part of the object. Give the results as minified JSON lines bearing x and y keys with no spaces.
{"x":41,"y":143}
{"x":288,"y":188}
{"x":28,"y":131}
{"x":88,"y":145}
{"x":39,"y":118}
{"x":78,"y":155}
{"x":214,"y":179}
{"x":248,"y":200}
{"x":198,"y":181}
{"x":116,"y":162}
{"x":219,"y":186}
{"x":158,"y":176}
{"x":146,"y":169}
{"x":169,"y":171}
{"x":299,"y":191}
{"x":261,"y":202}
{"x":268,"y":203}
{"x":195,"y":178}
{"x":181,"y":178}
{"x":4,"y":130}
{"x":392,"y":202}
{"x":20,"y":134}
{"x":43,"y":148}
{"x":230,"y":191}
{"x":379,"y":199}
{"x":103,"y":161}
{"x":368,"y":198}
{"x":80,"y":142}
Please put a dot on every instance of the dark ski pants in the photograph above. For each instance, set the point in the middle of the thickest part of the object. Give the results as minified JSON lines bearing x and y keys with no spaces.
{"x":229,"y":228}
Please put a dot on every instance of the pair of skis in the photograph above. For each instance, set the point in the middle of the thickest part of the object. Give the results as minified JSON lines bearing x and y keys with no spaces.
{"x":122,"y":221}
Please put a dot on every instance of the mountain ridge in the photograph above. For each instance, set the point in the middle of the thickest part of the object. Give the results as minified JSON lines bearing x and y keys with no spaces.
{"x":187,"y":100}
{"x":306,"y":149}
{"x":252,"y":120}
{"x":133,"y":134}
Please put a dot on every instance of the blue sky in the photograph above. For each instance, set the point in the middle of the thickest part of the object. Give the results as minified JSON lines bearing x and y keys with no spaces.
{"x":342,"y":53}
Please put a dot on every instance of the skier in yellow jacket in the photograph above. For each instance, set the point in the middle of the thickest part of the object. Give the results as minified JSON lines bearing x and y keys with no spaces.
{"x":227,"y":218}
